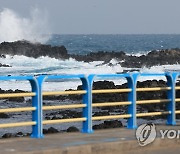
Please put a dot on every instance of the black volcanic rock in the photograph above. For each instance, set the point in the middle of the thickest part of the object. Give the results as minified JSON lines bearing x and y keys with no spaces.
{"x":4,"y":116}
{"x":19,"y":134}
{"x":155,"y":57}
{"x":109,"y":124}
{"x":51,"y":130}
{"x":8,"y":135}
{"x":33,"y":50}
{"x":72,"y":129}
{"x":15,"y":99}
{"x":66,"y":114}
{"x":100,"y":56}
{"x":2,"y":56}
{"x":120,"y":97}
{"x":4,"y":65}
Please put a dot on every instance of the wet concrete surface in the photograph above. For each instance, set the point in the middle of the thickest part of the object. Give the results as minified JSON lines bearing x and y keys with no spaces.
{"x":110,"y":141}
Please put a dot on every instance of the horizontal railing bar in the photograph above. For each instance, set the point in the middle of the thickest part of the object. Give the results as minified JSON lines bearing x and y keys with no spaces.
{"x":177,"y":111}
{"x":177,"y":88}
{"x":110,"y":104}
{"x":48,"y":93}
{"x":84,"y":92}
{"x":110,"y":91}
{"x":17,"y":78}
{"x":30,"y":94}
{"x":177,"y":99}
{"x":153,"y":101}
{"x":7,"y":95}
{"x":153,"y":89}
{"x":19,"y":124}
{"x":67,"y":76}
{"x":152,"y":114}
{"x":123,"y":75}
{"x":17,"y":109}
{"x":63,"y":120}
{"x":152,"y":74}
{"x":111,"y":117}
{"x":63,"y":106}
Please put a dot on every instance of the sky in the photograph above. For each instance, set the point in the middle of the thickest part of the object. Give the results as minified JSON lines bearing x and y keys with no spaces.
{"x":103,"y":16}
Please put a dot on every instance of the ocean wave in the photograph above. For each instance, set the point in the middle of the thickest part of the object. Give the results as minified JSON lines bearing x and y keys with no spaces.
{"x":13,"y":27}
{"x":22,"y":65}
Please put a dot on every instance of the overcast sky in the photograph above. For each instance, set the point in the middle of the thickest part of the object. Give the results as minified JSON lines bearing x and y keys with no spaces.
{"x":104,"y":16}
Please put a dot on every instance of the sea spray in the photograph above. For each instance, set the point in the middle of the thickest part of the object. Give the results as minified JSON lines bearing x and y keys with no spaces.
{"x":13,"y":27}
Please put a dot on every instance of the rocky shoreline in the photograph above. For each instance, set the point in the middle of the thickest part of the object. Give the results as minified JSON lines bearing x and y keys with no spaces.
{"x":162,"y":57}
{"x":155,"y":57}
{"x":100,"y":111}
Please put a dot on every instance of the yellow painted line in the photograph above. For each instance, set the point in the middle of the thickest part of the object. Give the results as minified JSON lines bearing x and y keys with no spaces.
{"x":19,"y":124}
{"x":64,"y":107}
{"x":177,"y":99}
{"x":177,"y":111}
{"x":63,"y":120}
{"x":110,"y":104}
{"x":103,"y":91}
{"x":153,"y":101}
{"x":152,"y":114}
{"x":111,"y":117}
{"x":49,"y":93}
{"x":153,"y":89}
{"x":6,"y":95}
{"x":177,"y":88}
{"x":17,"y":109}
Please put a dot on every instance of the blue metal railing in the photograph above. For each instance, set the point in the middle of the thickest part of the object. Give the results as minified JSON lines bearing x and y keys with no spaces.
{"x":87,"y":92}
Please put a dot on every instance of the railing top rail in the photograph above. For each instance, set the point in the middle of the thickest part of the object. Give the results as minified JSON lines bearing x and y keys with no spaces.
{"x":64,"y":76}
{"x":17,"y":77}
{"x":77,"y":76}
{"x":152,"y":74}
{"x":112,"y":75}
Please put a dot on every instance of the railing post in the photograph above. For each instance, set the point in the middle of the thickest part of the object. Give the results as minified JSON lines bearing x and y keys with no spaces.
{"x":132,"y":82}
{"x":171,"y":94}
{"x":37,"y":114}
{"x":87,"y":99}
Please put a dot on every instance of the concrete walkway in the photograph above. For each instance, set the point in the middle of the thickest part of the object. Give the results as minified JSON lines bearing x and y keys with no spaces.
{"x":110,"y":141}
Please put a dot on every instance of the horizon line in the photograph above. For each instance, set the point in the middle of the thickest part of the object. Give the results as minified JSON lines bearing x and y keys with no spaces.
{"x":114,"y":34}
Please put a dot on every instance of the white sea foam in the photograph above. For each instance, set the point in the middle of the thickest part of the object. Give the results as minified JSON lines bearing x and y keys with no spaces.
{"x":159,"y":69}
{"x":14,"y":27}
{"x":138,"y":54}
{"x":22,"y":65}
{"x":46,"y":65}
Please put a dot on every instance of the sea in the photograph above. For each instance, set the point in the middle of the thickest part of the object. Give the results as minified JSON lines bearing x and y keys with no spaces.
{"x":139,"y":44}
{"x":132,"y":44}
{"x":82,"y":44}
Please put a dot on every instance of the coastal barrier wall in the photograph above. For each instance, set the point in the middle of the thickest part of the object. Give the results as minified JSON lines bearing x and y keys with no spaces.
{"x":87,"y":105}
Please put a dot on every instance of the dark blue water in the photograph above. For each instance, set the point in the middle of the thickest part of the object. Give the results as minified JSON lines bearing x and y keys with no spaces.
{"x":83,"y":44}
